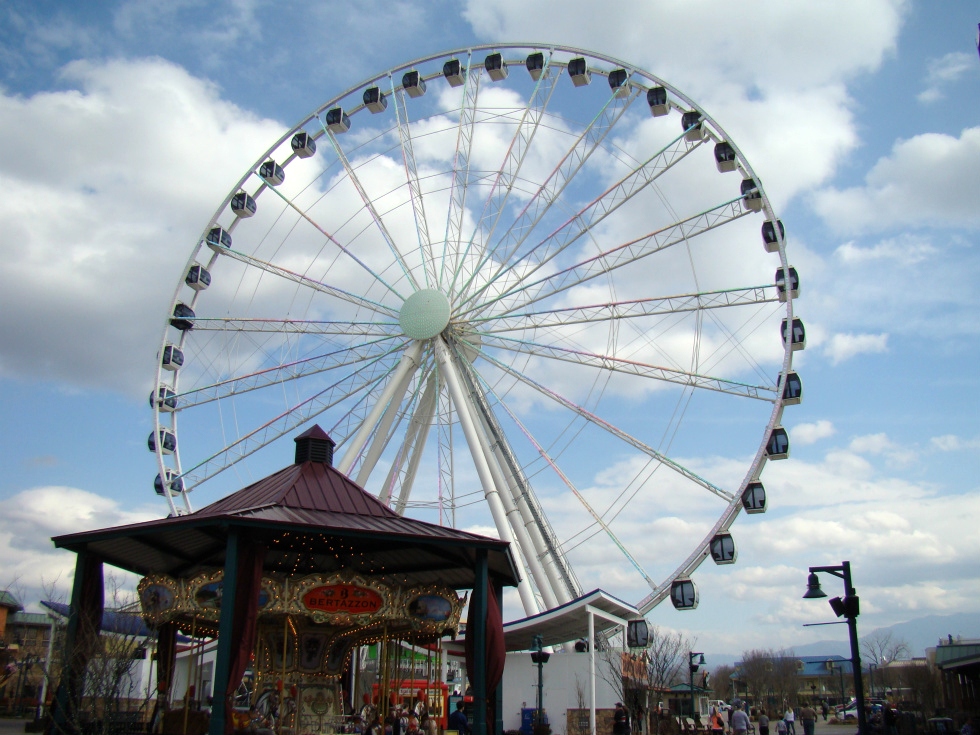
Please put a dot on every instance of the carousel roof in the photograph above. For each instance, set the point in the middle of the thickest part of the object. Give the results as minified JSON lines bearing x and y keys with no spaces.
{"x":312,"y":519}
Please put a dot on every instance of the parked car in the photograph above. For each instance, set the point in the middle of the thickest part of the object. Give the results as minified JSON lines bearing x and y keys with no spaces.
{"x":850,"y":711}
{"x":719,"y":705}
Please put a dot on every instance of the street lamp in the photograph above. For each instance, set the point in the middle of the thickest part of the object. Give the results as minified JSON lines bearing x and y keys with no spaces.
{"x":540,"y":658}
{"x":848,"y":607}
{"x":871,"y":673}
{"x":693,"y":666}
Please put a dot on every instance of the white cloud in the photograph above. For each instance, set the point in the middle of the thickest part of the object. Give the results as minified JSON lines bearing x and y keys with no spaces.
{"x":32,"y":517}
{"x":943,"y":71}
{"x":953,"y":443}
{"x":104,"y":189}
{"x":842,"y":347}
{"x":811,"y":433}
{"x":928,"y":179}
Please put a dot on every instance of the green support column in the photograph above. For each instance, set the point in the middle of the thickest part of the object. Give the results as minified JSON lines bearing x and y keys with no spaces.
{"x":479,"y":676}
{"x":498,"y":725}
{"x":222,"y":663}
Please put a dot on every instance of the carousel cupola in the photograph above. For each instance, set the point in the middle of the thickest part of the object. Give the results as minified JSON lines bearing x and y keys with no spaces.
{"x":314,"y":445}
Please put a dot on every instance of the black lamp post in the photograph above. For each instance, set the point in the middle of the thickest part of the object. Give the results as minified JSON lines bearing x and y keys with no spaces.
{"x":849,"y":608}
{"x":693,"y":666}
{"x":871,"y":673}
{"x":540,"y":658}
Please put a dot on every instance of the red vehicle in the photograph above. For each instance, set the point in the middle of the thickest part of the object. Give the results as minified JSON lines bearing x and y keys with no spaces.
{"x":407,"y":692}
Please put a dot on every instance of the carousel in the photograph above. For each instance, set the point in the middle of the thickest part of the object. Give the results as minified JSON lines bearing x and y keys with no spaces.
{"x":295,"y":577}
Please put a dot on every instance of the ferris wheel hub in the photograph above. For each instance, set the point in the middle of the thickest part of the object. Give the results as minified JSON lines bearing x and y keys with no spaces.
{"x":424,"y":314}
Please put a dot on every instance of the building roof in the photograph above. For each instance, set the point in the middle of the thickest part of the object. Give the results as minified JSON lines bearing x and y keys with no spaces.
{"x":27,"y":618}
{"x":311,"y":518}
{"x":9,"y":601}
{"x":120,"y":622}
{"x":568,"y":622}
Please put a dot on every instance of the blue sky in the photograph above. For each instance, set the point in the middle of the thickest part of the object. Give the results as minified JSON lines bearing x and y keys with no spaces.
{"x":123,"y":126}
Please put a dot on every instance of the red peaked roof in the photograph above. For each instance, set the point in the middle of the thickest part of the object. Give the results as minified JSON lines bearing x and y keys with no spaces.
{"x":308,"y":506}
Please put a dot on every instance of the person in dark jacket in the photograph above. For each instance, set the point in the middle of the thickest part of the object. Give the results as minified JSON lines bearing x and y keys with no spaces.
{"x":458,"y":721}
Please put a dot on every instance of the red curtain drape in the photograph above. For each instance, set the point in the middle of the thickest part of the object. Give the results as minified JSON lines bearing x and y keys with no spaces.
{"x":88,"y":610}
{"x":496,"y":648}
{"x":166,"y":661}
{"x":243,"y":628}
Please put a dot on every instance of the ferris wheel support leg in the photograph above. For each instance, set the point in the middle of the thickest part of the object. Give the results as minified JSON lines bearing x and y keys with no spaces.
{"x":421,"y":421}
{"x":541,"y":580}
{"x":409,"y":363}
{"x":490,"y":490}
{"x":383,"y":435}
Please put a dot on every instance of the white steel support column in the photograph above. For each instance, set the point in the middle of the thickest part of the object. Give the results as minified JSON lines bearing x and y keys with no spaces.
{"x":383,"y":434}
{"x":490,"y":490}
{"x":409,"y":363}
{"x":421,"y":425}
{"x":533,"y":560}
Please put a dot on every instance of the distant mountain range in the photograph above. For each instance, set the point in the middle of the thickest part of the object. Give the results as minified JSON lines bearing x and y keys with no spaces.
{"x":919,"y":634}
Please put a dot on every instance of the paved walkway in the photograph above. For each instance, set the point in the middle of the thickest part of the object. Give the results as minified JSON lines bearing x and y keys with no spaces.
{"x":12,"y":725}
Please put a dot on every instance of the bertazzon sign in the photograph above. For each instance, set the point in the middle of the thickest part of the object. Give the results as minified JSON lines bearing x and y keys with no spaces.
{"x":342,"y":598}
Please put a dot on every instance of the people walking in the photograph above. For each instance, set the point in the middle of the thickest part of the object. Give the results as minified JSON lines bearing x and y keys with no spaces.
{"x":808,"y":716}
{"x":621,"y":720}
{"x":763,"y":722}
{"x":717,"y":724}
{"x":790,"y":718}
{"x":740,"y":721}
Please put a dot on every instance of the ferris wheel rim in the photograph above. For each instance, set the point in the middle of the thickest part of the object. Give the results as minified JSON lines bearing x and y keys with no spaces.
{"x":713,"y":131}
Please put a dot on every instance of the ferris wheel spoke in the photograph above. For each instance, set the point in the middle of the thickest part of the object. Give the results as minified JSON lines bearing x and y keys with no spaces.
{"x":461,"y":170}
{"x":612,"y":430}
{"x":551,"y":189}
{"x":279,"y":374}
{"x":330,"y":238}
{"x":597,"y":518}
{"x":414,"y":185}
{"x":325,"y":328}
{"x":632,"y":367}
{"x":591,"y":215}
{"x":621,"y":255}
{"x":626,"y":310}
{"x":348,"y":386}
{"x":507,"y":172}
{"x":368,"y":204}
{"x":444,"y":455}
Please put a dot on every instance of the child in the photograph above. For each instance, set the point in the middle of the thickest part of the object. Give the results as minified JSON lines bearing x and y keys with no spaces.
{"x":781,"y":727}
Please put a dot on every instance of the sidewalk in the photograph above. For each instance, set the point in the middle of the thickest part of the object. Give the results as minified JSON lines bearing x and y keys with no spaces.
{"x":12,"y":725}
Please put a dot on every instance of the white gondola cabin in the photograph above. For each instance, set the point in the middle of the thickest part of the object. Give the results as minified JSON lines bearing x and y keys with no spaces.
{"x":725,"y":158}
{"x":793,"y":390}
{"x":619,"y":82}
{"x":198,"y":277}
{"x":182,"y":318}
{"x":243,"y":205}
{"x":777,"y":446}
{"x":452,"y":70}
{"x":217,"y":239}
{"x":413,"y":83}
{"x":692,"y":125}
{"x":535,"y":65}
{"x":684,"y":594}
{"x":787,"y":283}
{"x":164,"y":399}
{"x":769,"y":235}
{"x":375,"y":100}
{"x":796,"y":336}
{"x":303,"y":144}
{"x":168,"y":441}
{"x":494,"y":64}
{"x":657,"y":100}
{"x":722,"y":548}
{"x":172,"y":357}
{"x":271,"y":173}
{"x":754,"y":498}
{"x":578,"y":70}
{"x":751,"y":195}
{"x":337,"y":120}
{"x":171,"y":482}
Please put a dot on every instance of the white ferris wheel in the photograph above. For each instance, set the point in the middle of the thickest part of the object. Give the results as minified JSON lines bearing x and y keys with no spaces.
{"x":526,"y":287}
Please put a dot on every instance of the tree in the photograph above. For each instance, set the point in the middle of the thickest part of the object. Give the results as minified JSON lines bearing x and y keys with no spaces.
{"x":880,"y":647}
{"x":721,"y":682}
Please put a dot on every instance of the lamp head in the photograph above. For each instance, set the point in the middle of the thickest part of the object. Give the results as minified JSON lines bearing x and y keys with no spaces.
{"x":813,"y":590}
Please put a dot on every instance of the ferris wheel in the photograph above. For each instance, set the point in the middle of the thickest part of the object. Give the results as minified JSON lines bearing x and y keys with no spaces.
{"x":523,"y":287}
